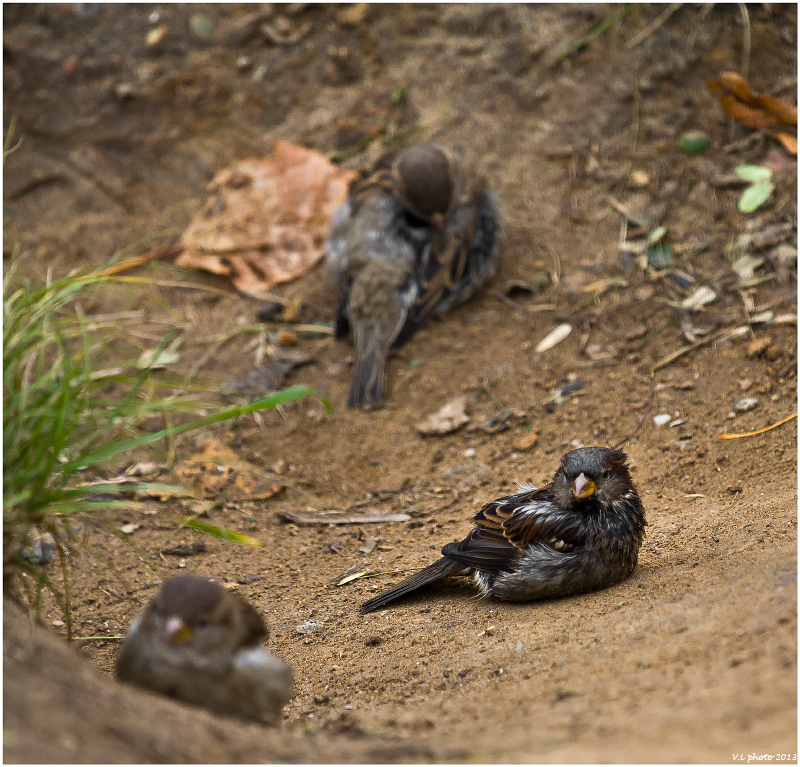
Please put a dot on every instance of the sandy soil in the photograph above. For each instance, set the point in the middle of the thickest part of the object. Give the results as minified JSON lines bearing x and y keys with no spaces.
{"x":694,"y":658}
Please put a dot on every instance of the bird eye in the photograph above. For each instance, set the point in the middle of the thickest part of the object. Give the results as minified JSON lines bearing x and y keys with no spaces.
{"x":606,"y":473}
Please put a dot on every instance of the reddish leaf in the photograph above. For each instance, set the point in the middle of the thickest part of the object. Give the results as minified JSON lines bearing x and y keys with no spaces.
{"x":267,"y":219}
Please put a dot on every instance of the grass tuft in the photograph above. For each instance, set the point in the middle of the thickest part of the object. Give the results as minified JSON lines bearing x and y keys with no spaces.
{"x":61,"y":425}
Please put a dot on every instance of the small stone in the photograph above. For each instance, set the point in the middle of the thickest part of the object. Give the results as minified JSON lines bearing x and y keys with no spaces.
{"x":201,"y":26}
{"x":745,"y":405}
{"x":639,"y":178}
{"x":783,"y":257}
{"x":353,"y":16}
{"x":123,"y":91}
{"x":309,"y":627}
{"x":470,"y":452}
{"x":269,"y":312}
{"x":526,"y":441}
{"x":155,"y":36}
{"x":758,"y":347}
{"x":130,"y":528}
{"x":662,"y":419}
{"x":70,"y":66}
{"x":286,"y":338}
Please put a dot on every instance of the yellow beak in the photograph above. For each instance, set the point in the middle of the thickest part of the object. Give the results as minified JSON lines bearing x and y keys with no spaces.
{"x":583,"y":487}
{"x":176,"y":631}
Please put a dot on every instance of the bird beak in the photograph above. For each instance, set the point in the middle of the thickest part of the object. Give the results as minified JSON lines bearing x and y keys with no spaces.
{"x":582,"y":487}
{"x":176,"y":631}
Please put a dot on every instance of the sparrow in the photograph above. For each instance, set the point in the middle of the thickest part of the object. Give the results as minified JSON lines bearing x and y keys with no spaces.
{"x":201,"y":644}
{"x":580,"y":532}
{"x":415,"y":237}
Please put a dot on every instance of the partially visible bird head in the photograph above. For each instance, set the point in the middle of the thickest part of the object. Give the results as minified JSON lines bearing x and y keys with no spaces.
{"x":425,"y":176}
{"x":592,"y":474}
{"x":200,"y":614}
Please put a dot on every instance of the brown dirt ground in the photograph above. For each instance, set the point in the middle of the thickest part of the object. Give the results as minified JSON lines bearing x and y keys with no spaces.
{"x":691,"y":659}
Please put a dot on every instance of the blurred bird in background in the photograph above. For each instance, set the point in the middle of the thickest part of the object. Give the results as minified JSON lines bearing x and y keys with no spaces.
{"x":201,"y":644}
{"x":416,"y":236}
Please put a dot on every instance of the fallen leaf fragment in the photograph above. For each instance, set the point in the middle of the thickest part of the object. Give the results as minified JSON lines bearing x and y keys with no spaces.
{"x":351,"y":574}
{"x":267,"y":219}
{"x":702,"y":296}
{"x":760,"y":112}
{"x":554,"y":337}
{"x":448,"y":419}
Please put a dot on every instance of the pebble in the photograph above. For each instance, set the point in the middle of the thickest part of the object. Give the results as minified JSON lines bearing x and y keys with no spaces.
{"x":745,"y":405}
{"x":526,"y":441}
{"x":661,"y":419}
{"x":201,"y":26}
{"x":41,"y":550}
{"x":155,"y":36}
{"x":759,"y":346}
{"x":309,"y":627}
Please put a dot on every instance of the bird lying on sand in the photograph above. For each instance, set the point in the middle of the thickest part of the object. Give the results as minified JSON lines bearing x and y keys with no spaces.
{"x":578,"y":533}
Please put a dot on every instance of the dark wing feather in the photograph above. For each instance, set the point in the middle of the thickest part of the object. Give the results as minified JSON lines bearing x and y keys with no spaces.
{"x":443,"y":266}
{"x":506,"y":527}
{"x":484,"y":550}
{"x":429,"y":574}
{"x":378,"y":182}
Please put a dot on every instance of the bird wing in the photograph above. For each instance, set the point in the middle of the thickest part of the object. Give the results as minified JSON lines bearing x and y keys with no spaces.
{"x":442,"y":266}
{"x":506,"y":527}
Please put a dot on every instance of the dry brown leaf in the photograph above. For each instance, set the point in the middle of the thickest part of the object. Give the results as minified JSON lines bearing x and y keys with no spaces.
{"x":752,"y":117}
{"x":757,"y":112}
{"x":784,"y":111}
{"x":267,"y":219}
{"x":789,"y":142}
{"x":736,"y":84}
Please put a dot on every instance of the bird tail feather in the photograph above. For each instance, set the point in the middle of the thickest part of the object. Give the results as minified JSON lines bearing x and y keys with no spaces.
{"x":369,"y":376}
{"x":440,"y":569}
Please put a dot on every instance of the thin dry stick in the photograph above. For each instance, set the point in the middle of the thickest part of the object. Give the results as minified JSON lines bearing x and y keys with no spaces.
{"x":596,"y":32}
{"x":652,"y":26}
{"x":758,"y":431}
{"x":686,"y":349}
{"x":647,"y":408}
{"x":748,"y":39}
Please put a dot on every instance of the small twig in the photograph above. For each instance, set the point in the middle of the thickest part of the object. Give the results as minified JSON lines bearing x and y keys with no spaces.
{"x":652,"y":26}
{"x":337,"y":517}
{"x":748,"y":39}
{"x":670,"y":358}
{"x":648,"y":407}
{"x":596,"y":32}
{"x":758,"y":431}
